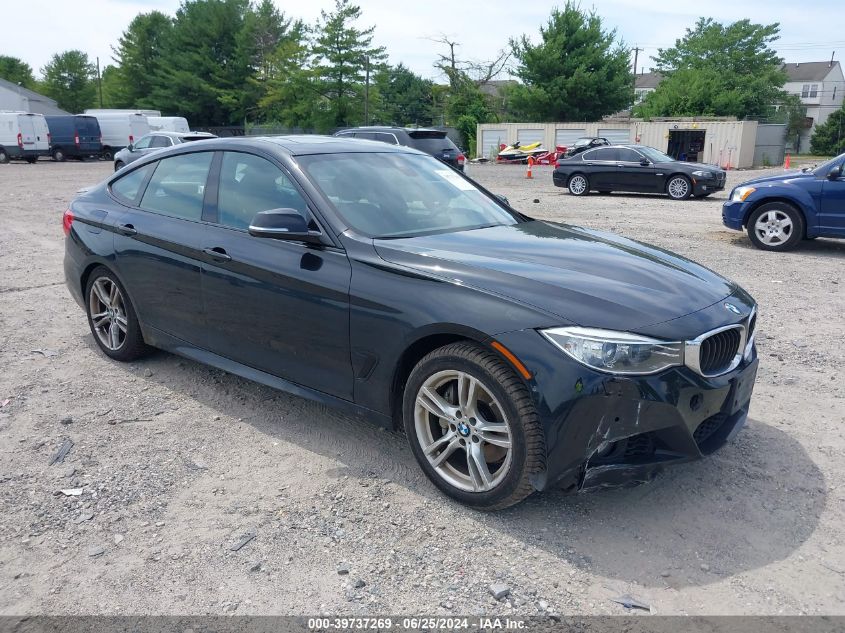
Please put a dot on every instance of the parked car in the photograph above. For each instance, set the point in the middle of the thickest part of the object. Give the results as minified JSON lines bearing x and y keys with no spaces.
{"x":73,"y":136}
{"x":636,"y":168}
{"x":119,"y":130}
{"x":780,"y":211}
{"x":433,"y":142}
{"x":168,"y":124}
{"x":518,"y":354}
{"x":23,"y":135}
{"x":584,"y":143}
{"x":155,"y":141}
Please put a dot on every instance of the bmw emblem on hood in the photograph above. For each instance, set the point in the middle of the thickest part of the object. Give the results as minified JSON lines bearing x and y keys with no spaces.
{"x":731,"y":308}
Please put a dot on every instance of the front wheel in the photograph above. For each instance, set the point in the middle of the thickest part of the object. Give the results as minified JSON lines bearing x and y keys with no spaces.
{"x":472,"y":426}
{"x":59,"y":155}
{"x":775,"y":226}
{"x":579,"y":185}
{"x":4,"y":156}
{"x":107,"y":154}
{"x":112,"y":317}
{"x":679,"y":188}
{"x":118,"y":165}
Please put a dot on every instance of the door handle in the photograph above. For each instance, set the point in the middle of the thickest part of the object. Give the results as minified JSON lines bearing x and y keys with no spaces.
{"x":127,"y":229}
{"x":217,"y":254}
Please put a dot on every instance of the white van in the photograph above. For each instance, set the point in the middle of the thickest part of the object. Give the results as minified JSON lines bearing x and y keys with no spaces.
{"x":119,"y":129}
{"x":23,"y":135}
{"x":168,"y":124}
{"x":93,"y":111}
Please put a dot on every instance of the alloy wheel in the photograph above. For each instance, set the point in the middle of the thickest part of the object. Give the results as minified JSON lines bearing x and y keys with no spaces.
{"x":108,"y":313}
{"x":678,"y":188}
{"x":463,"y":431}
{"x":577,"y":185}
{"x":774,"y":228}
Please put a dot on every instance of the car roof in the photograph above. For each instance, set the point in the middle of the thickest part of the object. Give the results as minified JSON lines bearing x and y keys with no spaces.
{"x":304,"y":144}
{"x":180,"y":134}
{"x":379,"y":128}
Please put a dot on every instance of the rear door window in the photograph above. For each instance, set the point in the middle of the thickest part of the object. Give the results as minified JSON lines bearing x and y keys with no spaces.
{"x":161,"y":141}
{"x":386,"y":137}
{"x":603,"y":154}
{"x":126,"y":188}
{"x":177,"y":187}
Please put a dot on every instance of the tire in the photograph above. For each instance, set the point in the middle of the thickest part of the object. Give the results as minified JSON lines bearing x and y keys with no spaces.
{"x":107,"y":154}
{"x":59,"y":155}
{"x":4,"y":156}
{"x":516,"y":447}
{"x":118,"y":165}
{"x":775,"y":226}
{"x":678,"y":187}
{"x":581,"y":185}
{"x":32,"y":160}
{"x":129,"y":342}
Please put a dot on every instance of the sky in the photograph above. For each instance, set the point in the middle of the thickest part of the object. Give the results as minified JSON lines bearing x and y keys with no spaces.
{"x":809,"y":32}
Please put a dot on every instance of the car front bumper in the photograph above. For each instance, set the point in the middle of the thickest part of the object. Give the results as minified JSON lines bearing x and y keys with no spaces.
{"x":733,"y":214}
{"x":710,"y":185}
{"x":605,"y":431}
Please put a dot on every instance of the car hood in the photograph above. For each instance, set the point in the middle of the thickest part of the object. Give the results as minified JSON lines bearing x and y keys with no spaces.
{"x":780,"y":178}
{"x":586,"y":277}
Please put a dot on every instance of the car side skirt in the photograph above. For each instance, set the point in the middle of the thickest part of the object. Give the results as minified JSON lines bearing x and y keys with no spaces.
{"x":166,"y":342}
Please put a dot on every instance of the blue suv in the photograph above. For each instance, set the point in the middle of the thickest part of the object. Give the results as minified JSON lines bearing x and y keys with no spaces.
{"x":780,"y":211}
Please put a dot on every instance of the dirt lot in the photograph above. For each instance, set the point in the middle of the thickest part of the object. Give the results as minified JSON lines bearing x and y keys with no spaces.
{"x":177,"y":462}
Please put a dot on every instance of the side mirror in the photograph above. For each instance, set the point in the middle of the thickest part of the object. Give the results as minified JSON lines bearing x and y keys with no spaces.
{"x":130,"y":147}
{"x":503,"y":199}
{"x":283,"y":224}
{"x":645,"y":162}
{"x":835,"y":173}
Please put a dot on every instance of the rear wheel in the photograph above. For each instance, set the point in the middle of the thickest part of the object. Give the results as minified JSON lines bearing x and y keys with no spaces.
{"x":775,"y":226}
{"x":59,"y":155}
{"x":4,"y":156}
{"x":472,"y":426}
{"x":32,"y":160}
{"x":679,"y":188}
{"x":107,"y":154}
{"x":118,"y":165}
{"x":112,"y":317}
{"x":579,"y":185}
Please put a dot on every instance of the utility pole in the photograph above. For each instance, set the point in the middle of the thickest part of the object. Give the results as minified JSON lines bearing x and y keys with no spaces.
{"x":99,"y":82}
{"x":367,"y":93}
{"x":637,"y":50}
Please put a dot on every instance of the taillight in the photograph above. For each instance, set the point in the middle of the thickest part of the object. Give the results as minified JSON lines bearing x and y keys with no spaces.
{"x":76,"y":139}
{"x":20,"y":140}
{"x":49,"y":139}
{"x":131,"y":139}
{"x":67,"y":220}
{"x":461,"y":159}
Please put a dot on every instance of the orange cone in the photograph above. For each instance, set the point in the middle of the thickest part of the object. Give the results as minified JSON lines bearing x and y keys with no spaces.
{"x":786,"y":162}
{"x":530,"y":164}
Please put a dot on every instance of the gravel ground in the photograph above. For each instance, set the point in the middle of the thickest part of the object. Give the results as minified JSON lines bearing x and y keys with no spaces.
{"x":179,"y":464}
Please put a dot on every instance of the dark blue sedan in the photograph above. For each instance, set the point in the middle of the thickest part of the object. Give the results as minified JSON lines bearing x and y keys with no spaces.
{"x":516,"y":354}
{"x":780,"y":211}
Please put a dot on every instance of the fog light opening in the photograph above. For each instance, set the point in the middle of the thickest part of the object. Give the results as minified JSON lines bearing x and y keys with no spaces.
{"x":605,"y":448}
{"x":695,"y":402}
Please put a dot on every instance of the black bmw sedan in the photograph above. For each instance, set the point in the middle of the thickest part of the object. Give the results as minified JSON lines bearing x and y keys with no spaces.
{"x":516,"y":354}
{"x":636,"y":168}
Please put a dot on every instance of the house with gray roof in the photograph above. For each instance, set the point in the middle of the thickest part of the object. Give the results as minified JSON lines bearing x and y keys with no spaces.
{"x":821,"y":87}
{"x":19,"y":99}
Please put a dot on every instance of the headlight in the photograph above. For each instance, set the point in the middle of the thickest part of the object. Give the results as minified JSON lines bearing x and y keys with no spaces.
{"x":703,"y":174}
{"x":616,"y":352}
{"x":741,"y":193}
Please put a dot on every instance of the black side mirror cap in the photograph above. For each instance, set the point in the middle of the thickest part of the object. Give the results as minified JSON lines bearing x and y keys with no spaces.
{"x":503,"y":199}
{"x":130,"y":147}
{"x":645,"y":162}
{"x":283,"y":224}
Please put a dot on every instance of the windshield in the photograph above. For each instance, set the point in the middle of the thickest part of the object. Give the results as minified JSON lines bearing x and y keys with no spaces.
{"x":580,"y":142}
{"x":401,"y":195}
{"x":655,"y":156}
{"x":823,"y":169}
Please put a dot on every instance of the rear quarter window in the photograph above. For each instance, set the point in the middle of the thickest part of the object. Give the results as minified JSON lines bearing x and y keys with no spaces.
{"x":127,"y":187}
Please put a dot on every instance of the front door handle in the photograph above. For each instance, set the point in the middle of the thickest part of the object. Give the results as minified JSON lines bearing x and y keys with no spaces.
{"x":127,"y":229}
{"x":217,"y":254}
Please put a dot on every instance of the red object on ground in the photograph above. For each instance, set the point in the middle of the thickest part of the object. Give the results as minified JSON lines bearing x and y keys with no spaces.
{"x":786,"y":162}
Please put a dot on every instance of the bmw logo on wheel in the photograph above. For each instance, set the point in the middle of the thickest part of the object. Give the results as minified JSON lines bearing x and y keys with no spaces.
{"x":463,"y":429}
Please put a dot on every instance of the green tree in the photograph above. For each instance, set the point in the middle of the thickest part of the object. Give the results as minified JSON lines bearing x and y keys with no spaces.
{"x":289,"y":93}
{"x":17,"y":71}
{"x":793,"y":113}
{"x":204,"y":66}
{"x":341,"y":54}
{"x":138,"y":55}
{"x":578,"y":71}
{"x":829,"y":138}
{"x":718,"y":70}
{"x":69,"y":78}
{"x":405,"y":97}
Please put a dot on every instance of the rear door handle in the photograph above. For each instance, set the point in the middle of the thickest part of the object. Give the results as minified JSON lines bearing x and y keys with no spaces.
{"x":127,"y":229}
{"x":217,"y":254}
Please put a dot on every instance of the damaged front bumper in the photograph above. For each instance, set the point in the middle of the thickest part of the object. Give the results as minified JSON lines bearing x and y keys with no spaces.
{"x":605,"y":431}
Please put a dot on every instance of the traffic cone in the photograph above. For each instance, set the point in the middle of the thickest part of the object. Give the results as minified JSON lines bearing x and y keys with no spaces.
{"x":786,"y":162}
{"x":530,"y":164}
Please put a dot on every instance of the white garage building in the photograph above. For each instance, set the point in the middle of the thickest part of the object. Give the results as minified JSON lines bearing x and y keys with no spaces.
{"x":720,"y":142}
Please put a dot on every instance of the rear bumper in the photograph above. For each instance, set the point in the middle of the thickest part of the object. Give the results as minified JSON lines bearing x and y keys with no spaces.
{"x":733,"y":214}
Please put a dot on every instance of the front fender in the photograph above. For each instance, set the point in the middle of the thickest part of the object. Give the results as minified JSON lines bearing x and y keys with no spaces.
{"x":800,"y":198}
